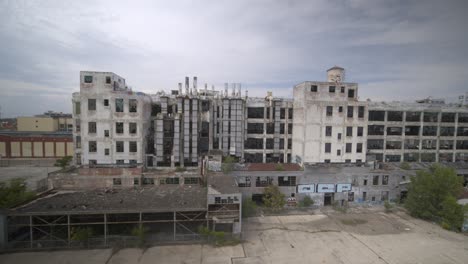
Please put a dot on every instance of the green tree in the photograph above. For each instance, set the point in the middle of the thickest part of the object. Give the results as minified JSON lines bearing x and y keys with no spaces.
{"x":452,"y":214}
{"x":63,"y":162}
{"x":228,"y":164}
{"x":273,"y":198}
{"x":430,"y":191}
{"x":249,"y":207}
{"x":81,"y":234}
{"x":14,"y":193}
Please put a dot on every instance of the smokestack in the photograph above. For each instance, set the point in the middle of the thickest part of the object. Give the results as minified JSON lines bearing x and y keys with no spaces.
{"x":195,"y":85}
{"x":206,"y":89}
{"x":246,"y":93}
{"x":212,"y":87}
{"x":186,"y":85}
{"x":239,"y":90}
{"x":226,"y":88}
{"x":233,"y":86}
{"x":180,"y":88}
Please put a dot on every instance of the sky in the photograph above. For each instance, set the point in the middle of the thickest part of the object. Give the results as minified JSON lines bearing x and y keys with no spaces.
{"x":394,"y":50}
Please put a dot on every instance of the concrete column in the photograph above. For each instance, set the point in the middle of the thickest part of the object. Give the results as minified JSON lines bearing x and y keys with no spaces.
{"x":3,"y":231}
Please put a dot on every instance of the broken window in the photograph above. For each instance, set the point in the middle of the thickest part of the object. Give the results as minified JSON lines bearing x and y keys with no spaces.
{"x":132,"y":128}
{"x":393,"y":158}
{"x":147,"y":181}
{"x":411,"y":130}
{"x":287,"y":181}
{"x":255,"y":112}
{"x":281,"y":143}
{"x":351,"y":93}
{"x":106,"y":102}
{"x":119,"y":105}
{"x":327,"y":147}
{"x":120,"y":162}
{"x":170,"y":180}
{"x":339,"y":136}
{"x":331,"y":89}
{"x":446,"y":144}
{"x":462,"y":118}
{"x":462,"y":144}
{"x":375,"y":180}
{"x":328,"y":131}
{"x":343,"y":89}
{"x":411,"y":157}
{"x":269,"y":143}
{"x":92,"y":128}
{"x":155,"y":109}
{"x":108,"y":79}
{"x":205,"y":105}
{"x":119,"y":128}
{"x":350,"y":111}
{"x":413,"y":116}
{"x":290,"y":128}
{"x":313,"y":88}
{"x":133,"y":146}
{"x":448,"y":118}
{"x":393,"y":145}
{"x":462,"y":131}
{"x":445,"y":157}
{"x":375,"y":130}
{"x":263,"y":181}
{"x":88,"y":79}
{"x":349,"y":131}
{"x":340,"y":109}
{"x":394,"y":131}
{"x":428,"y":157}
{"x":106,"y":133}
{"x":91,"y":104}
{"x":282,"y":113}
{"x":360,"y":131}
{"x":205,"y":129}
{"x":375,"y":143}
{"x":361,"y":111}
{"x":243,"y":181}
{"x":358,"y":148}
{"x":270,"y":127}
{"x":253,"y":143}
{"x":253,"y":157}
{"x":77,"y":108}
{"x":117,"y":181}
{"x":254,"y":128}
{"x":411,"y":144}
{"x":447,"y":131}
{"x":329,"y":110}
{"x":349,"y":147}
{"x":168,"y":128}
{"x":119,"y":146}
{"x":282,"y":129}
{"x":338,"y":152}
{"x":364,"y":182}
{"x":289,"y":143}
{"x":394,"y":116}
{"x":132,"y":105}
{"x":290,"y":113}
{"x":191,"y":180}
{"x":430,"y":117}
{"x":429,"y":131}
{"x":78,"y":141}
{"x":376,"y":116}
{"x":461,"y":157}
{"x":92,"y":146}
{"x":429,"y":144}
{"x":106,"y":152}
{"x":384,"y":179}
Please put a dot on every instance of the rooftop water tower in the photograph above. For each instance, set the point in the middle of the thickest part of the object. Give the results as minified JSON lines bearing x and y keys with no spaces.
{"x":336,"y":74}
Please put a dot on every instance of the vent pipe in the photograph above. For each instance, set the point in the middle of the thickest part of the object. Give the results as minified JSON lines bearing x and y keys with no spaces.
{"x":186,"y":85}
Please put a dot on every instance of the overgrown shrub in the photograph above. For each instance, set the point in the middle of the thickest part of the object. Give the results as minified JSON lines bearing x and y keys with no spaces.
{"x":405,"y":166}
{"x":306,"y":202}
{"x":388,"y":207}
{"x":180,"y":169}
{"x":228,"y":164}
{"x":279,"y":167}
{"x":140,"y":232}
{"x":13,"y":193}
{"x":81,"y":234}
{"x":63,"y":162}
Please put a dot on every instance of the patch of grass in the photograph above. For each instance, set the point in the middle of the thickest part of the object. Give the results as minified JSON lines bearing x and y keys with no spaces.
{"x":353,"y":222}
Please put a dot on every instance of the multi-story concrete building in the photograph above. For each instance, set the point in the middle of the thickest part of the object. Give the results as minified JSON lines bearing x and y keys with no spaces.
{"x":330,"y":124}
{"x":111,"y":121}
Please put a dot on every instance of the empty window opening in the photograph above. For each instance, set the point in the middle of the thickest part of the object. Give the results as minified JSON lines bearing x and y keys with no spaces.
{"x":331,"y":89}
{"x":287,"y":181}
{"x":88,"y":79}
{"x":119,"y":127}
{"x":133,"y":146}
{"x":329,"y":110}
{"x":376,"y":116}
{"x":413,"y":116}
{"x":92,"y":128}
{"x":255,"y":112}
{"x":92,"y":145}
{"x":313,"y":88}
{"x":328,"y":131}
{"x":132,"y":128}
{"x":349,"y":131}
{"x":327,"y":147}
{"x":108,"y":79}
{"x":350,"y":111}
{"x":360,"y":131}
{"x":119,"y":146}
{"x":351,"y":93}
{"x":394,"y":116}
{"x":375,"y":130}
{"x":394,"y":131}
{"x":448,"y":118}
{"x":412,"y":130}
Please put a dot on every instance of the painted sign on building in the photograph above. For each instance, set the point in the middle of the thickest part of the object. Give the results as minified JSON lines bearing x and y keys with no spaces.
{"x":325,"y":188}
{"x":306,"y":188}
{"x":343,"y":187}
